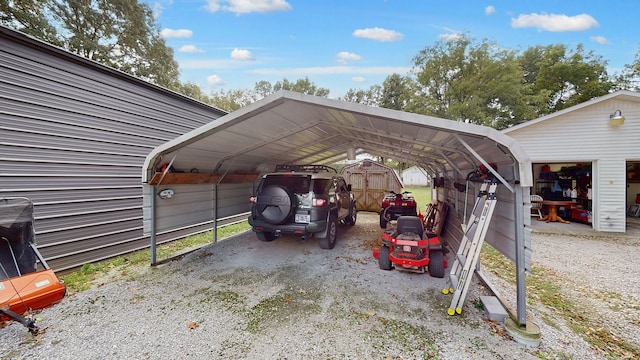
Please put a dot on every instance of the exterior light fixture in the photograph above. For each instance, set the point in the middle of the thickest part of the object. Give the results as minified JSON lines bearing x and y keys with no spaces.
{"x":616,"y":119}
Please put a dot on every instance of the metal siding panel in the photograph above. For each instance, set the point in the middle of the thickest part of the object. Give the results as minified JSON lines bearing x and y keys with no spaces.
{"x":501,"y":233}
{"x":195,"y":204}
{"x":43,"y":139}
{"x":73,"y":138}
{"x":22,"y":184}
{"x":17,"y":151}
{"x":609,"y":207}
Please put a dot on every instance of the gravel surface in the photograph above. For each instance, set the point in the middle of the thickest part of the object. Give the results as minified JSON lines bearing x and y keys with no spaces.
{"x":288,"y":299}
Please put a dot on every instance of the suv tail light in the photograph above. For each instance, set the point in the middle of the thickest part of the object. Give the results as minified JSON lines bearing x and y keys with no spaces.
{"x":253,"y":199}
{"x":318,"y":202}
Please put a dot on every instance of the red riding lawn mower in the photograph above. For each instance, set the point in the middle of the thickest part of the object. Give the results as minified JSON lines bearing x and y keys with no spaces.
{"x":396,"y":205}
{"x":409,"y":247}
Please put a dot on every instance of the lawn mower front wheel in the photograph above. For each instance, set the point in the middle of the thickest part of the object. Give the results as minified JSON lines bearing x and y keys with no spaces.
{"x":436,"y":263}
{"x":383,"y":259}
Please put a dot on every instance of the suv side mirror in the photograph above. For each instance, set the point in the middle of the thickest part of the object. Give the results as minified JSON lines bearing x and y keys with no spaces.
{"x":349,"y":187}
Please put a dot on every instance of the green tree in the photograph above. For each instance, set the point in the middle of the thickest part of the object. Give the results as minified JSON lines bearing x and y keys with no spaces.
{"x":304,"y":86}
{"x":28,"y":16}
{"x":366,"y":97}
{"x":231,"y":100}
{"x":262,"y":89}
{"x":563,"y":78}
{"x":118,"y":33}
{"x":475,"y":82}
{"x":394,"y":92}
{"x":193,"y":91}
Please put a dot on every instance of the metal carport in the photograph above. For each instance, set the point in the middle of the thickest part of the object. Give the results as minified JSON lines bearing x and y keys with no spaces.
{"x":228,"y":155}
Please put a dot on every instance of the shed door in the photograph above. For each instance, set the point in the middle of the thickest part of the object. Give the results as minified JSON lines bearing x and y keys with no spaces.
{"x":377,"y":186}
{"x":369,"y":187}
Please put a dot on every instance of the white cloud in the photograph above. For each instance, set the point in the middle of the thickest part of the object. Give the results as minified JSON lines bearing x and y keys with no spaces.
{"x":450,"y":37}
{"x":600,"y":40}
{"x":359,"y":79}
{"x":555,"y":22}
{"x":344,"y":57}
{"x":489,"y":10}
{"x":242,"y":54}
{"x":174,"y":34}
{"x":247,"y":6}
{"x":190,"y":49}
{"x":378,"y":34}
{"x":156,"y":10}
{"x":215,"y":80}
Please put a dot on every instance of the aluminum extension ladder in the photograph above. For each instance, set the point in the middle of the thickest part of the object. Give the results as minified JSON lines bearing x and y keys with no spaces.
{"x":469,"y":251}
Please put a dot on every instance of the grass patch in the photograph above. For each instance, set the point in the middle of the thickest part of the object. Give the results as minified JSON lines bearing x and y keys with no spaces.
{"x":422,"y":194}
{"x":544,"y":286}
{"x":412,"y":339}
{"x":81,"y":279}
{"x":288,"y":305}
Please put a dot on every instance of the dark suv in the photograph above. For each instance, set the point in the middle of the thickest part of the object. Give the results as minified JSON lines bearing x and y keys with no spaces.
{"x":303,"y":200}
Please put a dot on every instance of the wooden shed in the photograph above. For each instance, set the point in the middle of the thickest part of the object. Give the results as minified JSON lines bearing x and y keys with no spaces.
{"x":370,"y":180}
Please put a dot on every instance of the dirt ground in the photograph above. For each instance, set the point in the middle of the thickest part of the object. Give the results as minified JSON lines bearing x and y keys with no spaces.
{"x":242,"y":298}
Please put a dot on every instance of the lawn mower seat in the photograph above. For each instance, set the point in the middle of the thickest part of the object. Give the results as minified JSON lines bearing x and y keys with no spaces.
{"x":410,"y":224}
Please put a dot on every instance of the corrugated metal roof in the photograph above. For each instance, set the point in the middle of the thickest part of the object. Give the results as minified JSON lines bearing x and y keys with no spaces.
{"x":289,"y":127}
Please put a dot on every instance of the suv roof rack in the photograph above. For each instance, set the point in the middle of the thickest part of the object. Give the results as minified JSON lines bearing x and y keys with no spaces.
{"x":305,"y":168}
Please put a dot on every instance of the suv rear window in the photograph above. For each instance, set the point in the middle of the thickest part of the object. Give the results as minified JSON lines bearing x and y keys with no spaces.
{"x":298,"y":184}
{"x":295,"y":183}
{"x":320,"y":186}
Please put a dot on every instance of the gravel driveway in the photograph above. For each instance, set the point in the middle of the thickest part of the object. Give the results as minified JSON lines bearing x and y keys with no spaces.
{"x":288,"y":299}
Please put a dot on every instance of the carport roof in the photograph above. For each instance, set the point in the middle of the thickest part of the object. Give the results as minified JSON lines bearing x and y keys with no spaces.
{"x":289,"y":127}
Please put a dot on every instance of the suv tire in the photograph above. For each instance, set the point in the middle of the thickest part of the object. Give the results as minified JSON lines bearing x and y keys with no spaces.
{"x":277,"y":206}
{"x":265,"y":236}
{"x":331,"y":234}
{"x":353,"y":215}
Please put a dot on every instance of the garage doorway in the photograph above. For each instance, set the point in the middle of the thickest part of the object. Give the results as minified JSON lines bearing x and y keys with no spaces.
{"x":570,"y":181}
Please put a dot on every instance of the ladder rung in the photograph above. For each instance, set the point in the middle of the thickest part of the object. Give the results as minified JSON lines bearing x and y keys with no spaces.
{"x":462,"y":259}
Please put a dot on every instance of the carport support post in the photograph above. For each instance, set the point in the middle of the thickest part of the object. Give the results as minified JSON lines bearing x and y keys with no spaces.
{"x":153,"y":224}
{"x":521,"y":290}
{"x":215,"y":213}
{"x":520,"y":330}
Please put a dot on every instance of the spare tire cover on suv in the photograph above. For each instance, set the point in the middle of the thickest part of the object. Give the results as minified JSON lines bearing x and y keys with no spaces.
{"x":275,"y":204}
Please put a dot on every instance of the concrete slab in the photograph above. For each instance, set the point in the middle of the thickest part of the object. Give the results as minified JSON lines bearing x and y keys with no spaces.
{"x":493,"y":308}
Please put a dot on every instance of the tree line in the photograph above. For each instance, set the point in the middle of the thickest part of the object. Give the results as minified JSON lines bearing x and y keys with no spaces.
{"x":470,"y":80}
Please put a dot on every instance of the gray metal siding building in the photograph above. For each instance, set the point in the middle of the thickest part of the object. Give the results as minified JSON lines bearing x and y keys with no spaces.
{"x":73,"y":138}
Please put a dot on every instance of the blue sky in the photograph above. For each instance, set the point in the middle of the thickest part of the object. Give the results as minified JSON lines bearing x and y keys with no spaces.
{"x":349,"y":44}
